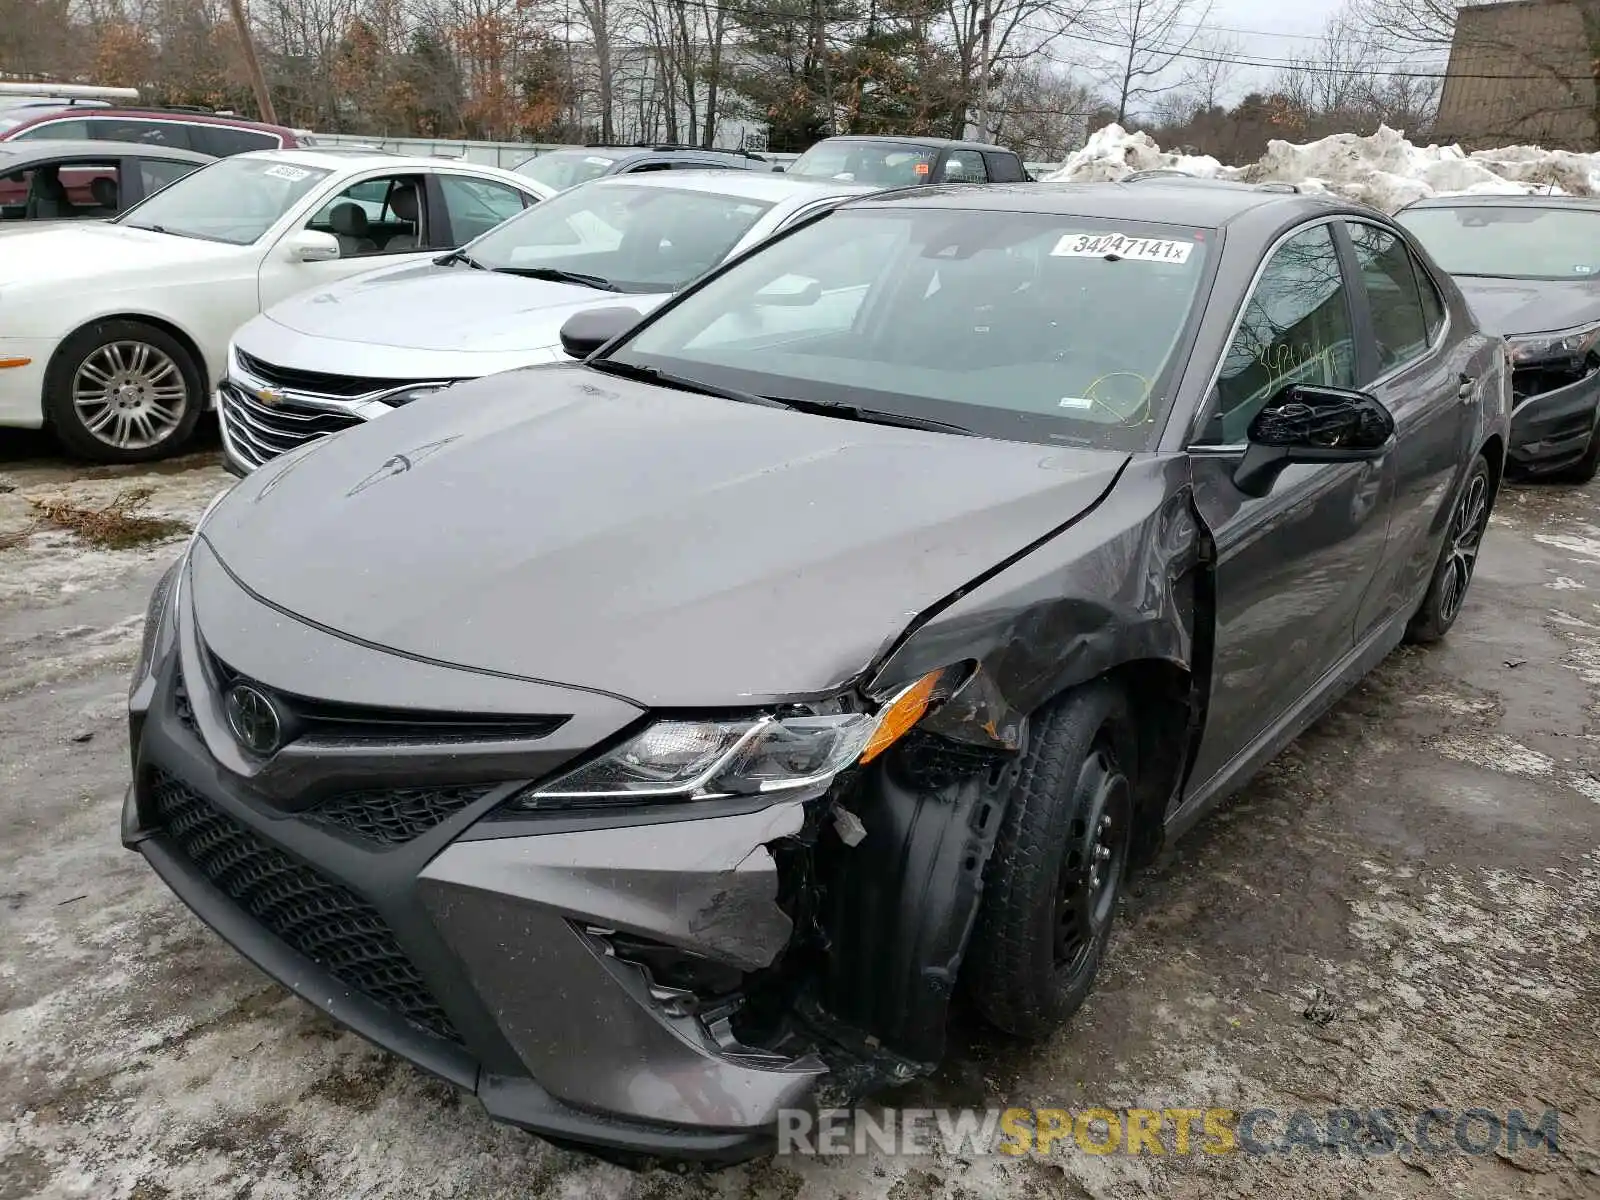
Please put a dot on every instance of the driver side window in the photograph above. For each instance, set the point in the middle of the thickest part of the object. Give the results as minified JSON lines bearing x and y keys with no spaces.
{"x":375,"y":216}
{"x":1295,"y":329}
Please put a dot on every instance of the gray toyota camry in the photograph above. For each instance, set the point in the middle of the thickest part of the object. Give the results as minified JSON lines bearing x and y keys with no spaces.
{"x":660,"y":741}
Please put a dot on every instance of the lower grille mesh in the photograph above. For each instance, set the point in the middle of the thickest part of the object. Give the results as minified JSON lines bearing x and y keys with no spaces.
{"x":395,"y":817}
{"x":327,"y":923}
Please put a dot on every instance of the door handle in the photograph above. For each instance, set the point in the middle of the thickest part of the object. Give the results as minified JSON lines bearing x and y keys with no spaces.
{"x":1464,"y":393}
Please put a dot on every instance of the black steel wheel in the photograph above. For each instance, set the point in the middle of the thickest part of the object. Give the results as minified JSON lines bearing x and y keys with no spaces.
{"x":1056,"y":874}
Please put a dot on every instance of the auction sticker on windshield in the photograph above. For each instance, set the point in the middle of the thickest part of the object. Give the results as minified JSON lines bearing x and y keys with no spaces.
{"x":284,"y":171}
{"x":1117,"y":245}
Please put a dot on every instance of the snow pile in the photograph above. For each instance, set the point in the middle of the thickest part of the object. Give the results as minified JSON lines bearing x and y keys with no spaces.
{"x":1383,"y":170}
{"x":1113,"y":153}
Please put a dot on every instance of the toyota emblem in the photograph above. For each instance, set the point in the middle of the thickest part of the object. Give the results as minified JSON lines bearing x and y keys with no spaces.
{"x":253,"y":719}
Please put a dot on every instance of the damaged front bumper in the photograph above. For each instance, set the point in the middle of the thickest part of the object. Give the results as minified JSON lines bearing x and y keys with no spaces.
{"x":661,"y":982}
{"x":1551,"y":429}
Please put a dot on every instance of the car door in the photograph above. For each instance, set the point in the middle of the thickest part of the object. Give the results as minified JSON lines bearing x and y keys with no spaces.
{"x":1421,"y":378}
{"x":1292,"y":567}
{"x":374,"y":226}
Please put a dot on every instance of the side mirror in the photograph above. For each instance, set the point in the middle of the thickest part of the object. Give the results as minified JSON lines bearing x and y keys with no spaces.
{"x":311,"y":245}
{"x":1312,"y":424}
{"x":790,"y":291}
{"x":586,"y":332}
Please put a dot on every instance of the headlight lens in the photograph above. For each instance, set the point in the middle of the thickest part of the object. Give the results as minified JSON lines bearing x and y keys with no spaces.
{"x":702,"y":760}
{"x":407,"y":395}
{"x":1560,"y":344}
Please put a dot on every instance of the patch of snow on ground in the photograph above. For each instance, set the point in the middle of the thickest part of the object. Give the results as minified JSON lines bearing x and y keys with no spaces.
{"x":1383,"y":169}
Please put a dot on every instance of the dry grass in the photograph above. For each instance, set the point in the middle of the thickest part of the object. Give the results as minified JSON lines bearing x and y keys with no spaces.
{"x":116,"y":526}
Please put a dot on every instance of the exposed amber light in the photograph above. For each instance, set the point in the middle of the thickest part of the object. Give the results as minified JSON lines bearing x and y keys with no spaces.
{"x":904,"y":712}
{"x":14,"y":362}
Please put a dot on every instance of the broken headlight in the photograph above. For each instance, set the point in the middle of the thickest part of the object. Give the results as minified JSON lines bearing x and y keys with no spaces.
{"x":1560,"y":346}
{"x":706,"y":760}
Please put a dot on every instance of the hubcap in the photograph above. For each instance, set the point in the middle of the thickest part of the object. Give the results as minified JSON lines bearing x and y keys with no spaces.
{"x":1461,"y":550}
{"x":130,"y":395}
{"x":1096,"y":856}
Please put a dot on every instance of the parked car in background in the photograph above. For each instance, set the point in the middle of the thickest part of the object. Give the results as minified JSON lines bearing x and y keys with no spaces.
{"x":568,"y":168}
{"x":21,"y":102}
{"x":114,"y":333}
{"x":656,"y":744}
{"x":59,"y":181}
{"x":1530,"y":267}
{"x":336,"y":356}
{"x":210,"y":133}
{"x":901,"y":161}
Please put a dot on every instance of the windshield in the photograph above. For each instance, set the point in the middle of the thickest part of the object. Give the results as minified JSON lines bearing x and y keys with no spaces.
{"x":1509,"y":242}
{"x":887,"y":163}
{"x":1027,"y":326}
{"x":233,"y":200}
{"x":632,"y":237}
{"x":563,"y":169}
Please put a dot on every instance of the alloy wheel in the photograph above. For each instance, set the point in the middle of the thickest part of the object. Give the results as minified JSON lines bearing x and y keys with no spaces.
{"x":1465,"y":537}
{"x":130,"y":395}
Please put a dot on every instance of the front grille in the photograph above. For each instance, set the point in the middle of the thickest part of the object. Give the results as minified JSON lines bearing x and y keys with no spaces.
{"x":322,"y":920}
{"x":260,"y":432}
{"x":394,"y":817}
{"x":320,"y":383}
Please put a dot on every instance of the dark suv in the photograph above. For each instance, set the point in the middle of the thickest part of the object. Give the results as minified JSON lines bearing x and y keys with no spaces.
{"x":567,"y":168}
{"x":182,"y":128}
{"x":902,"y":161}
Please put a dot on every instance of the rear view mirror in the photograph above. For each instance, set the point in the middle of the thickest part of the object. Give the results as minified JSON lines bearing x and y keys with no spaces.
{"x":1312,"y":424}
{"x":790,"y":290}
{"x":311,"y":245}
{"x":586,"y":332}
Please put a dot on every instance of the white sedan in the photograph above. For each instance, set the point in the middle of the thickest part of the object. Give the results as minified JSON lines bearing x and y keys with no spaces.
{"x":114,"y":334}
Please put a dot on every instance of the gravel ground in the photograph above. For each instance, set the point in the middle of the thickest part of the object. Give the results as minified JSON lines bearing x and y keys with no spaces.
{"x":1401,"y":912}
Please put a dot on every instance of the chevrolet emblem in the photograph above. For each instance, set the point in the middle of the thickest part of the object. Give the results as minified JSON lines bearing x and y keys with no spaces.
{"x":270,"y":397}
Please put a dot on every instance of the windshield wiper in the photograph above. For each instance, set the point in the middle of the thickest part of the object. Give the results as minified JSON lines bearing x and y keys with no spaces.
{"x":875,"y":416}
{"x":169,"y":232}
{"x":459,"y":256}
{"x":556,"y":275}
{"x":683,"y":383}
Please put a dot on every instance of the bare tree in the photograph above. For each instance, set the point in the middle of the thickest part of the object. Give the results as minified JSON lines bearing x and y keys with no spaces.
{"x":1155,"y":42}
{"x":988,"y":36}
{"x":1043,"y":113}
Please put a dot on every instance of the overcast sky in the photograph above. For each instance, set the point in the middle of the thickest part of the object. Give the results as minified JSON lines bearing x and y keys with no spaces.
{"x":1268,"y":29}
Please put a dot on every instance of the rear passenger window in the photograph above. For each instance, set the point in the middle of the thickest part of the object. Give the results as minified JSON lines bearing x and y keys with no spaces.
{"x":1004,"y":168}
{"x":130,"y":129}
{"x":156,"y":173}
{"x":1391,"y":283}
{"x":223,"y":140}
{"x":1432,"y":302}
{"x":476,"y":205}
{"x":962,"y":166}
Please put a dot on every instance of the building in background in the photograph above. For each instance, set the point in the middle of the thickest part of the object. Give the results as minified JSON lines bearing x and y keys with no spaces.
{"x":1522,"y":71}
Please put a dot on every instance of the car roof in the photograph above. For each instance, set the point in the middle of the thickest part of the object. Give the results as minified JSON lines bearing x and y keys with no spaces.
{"x":1201,"y":203}
{"x":16,"y":153}
{"x":1480,"y":200}
{"x":181,"y":115}
{"x":766,"y":186}
{"x":941,"y":143}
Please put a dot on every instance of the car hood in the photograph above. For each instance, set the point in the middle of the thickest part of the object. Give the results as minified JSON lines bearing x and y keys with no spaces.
{"x":674,"y":549}
{"x":1516,"y":306}
{"x":424,"y":306}
{"x":75,"y":250}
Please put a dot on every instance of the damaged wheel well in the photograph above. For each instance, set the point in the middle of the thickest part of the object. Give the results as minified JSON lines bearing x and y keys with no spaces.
{"x":1161,"y":697}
